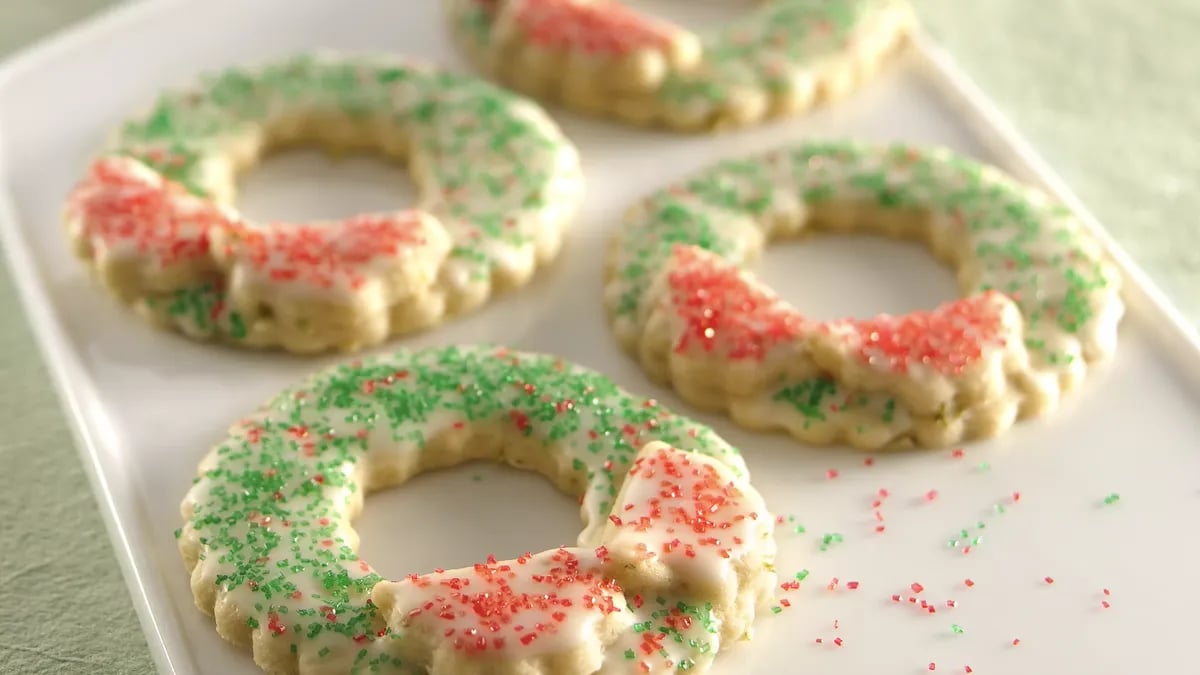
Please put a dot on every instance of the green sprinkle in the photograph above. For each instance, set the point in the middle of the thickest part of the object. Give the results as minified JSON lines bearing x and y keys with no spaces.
{"x":802,"y":575}
{"x":776,"y":609}
{"x":629,"y":654}
{"x":830,"y":539}
{"x":957,"y":629}
{"x":799,"y":529}
{"x":1112,"y":499}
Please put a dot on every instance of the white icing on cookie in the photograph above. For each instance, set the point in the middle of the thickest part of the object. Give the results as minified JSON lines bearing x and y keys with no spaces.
{"x":1040,"y":300}
{"x":498,"y":186}
{"x":272,"y":553}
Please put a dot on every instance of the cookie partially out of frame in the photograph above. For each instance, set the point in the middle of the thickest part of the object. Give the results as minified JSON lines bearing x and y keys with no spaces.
{"x":498,"y":185}
{"x":599,"y":56}
{"x":673,"y":563}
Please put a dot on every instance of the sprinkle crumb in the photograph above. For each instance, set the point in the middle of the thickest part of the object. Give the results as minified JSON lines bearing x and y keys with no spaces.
{"x":968,"y":583}
{"x":831,"y":474}
{"x":1016,"y":641}
{"x":932,"y":665}
{"x":968,"y":669}
{"x":931,"y":495}
{"x":958,"y":453}
{"x":869,"y":461}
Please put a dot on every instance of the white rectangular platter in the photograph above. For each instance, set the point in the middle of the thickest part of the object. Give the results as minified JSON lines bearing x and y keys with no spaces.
{"x":147,"y":405}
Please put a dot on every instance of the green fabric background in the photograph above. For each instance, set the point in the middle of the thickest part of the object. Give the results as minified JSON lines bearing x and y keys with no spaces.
{"x":1109,"y":90}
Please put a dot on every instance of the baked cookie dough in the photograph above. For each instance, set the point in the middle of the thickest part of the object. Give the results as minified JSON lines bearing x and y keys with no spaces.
{"x":674,"y":560}
{"x":1040,"y":301}
{"x":599,"y":56}
{"x":498,"y":186}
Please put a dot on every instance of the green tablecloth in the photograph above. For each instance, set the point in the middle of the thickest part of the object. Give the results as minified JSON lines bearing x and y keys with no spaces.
{"x":1105,"y":88}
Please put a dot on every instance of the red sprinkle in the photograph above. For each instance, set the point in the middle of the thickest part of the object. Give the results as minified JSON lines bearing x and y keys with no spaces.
{"x":1049,"y":580}
{"x":968,"y":583}
{"x":958,"y":453}
{"x":852,"y":585}
{"x":931,"y":495}
{"x":722,"y":311}
{"x":869,"y":461}
{"x":838,"y":641}
{"x":945,"y":340}
{"x":595,"y":30}
{"x":916,"y":587}
{"x":831,"y":474}
{"x":1016,"y":641}
{"x":932,"y":665}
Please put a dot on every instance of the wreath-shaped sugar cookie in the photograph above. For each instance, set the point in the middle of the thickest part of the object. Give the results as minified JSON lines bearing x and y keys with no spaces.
{"x":498,"y":185}
{"x":672,"y":564}
{"x":1040,"y":301}
{"x":600,"y":56}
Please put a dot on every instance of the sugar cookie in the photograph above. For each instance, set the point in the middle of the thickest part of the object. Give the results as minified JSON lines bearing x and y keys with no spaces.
{"x":674,"y":560}
{"x":601,"y":57}
{"x":498,"y":185}
{"x":1041,"y":302}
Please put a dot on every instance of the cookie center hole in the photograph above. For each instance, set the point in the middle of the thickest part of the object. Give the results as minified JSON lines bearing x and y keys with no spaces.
{"x":303,"y":185}
{"x":695,"y":14}
{"x":455,"y":517}
{"x":834,"y":276}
